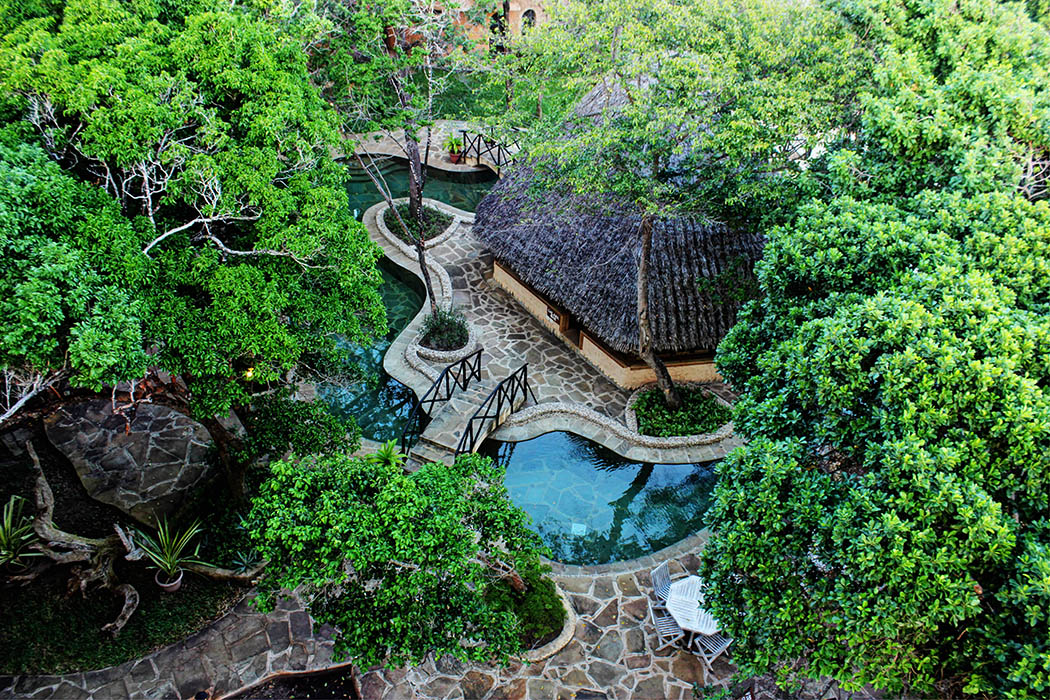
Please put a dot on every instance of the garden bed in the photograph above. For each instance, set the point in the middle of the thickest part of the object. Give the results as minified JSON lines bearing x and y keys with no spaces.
{"x":700,"y":413}
{"x":444,"y":331}
{"x":434,"y":223}
{"x":539,"y":608}
{"x":45,"y":630}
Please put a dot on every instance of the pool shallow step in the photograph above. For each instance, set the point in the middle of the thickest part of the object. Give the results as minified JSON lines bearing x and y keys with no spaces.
{"x":439,"y":441}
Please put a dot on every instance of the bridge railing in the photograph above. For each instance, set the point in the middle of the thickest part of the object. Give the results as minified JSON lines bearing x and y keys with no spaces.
{"x":458,"y":374}
{"x":478,"y":146}
{"x":503,"y":396}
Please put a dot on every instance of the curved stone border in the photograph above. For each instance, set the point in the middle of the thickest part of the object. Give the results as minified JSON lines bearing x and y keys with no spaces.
{"x":457,"y":219}
{"x":538,"y":419}
{"x":447,"y":356}
{"x":692,"y":543}
{"x":630,"y":417}
{"x":568,"y":631}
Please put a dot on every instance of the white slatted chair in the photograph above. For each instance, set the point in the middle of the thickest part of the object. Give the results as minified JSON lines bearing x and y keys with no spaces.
{"x":661,"y":583}
{"x":710,"y":646}
{"x":667,"y":629}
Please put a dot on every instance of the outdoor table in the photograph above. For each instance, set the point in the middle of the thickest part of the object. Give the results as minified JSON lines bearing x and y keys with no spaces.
{"x":683,"y":602}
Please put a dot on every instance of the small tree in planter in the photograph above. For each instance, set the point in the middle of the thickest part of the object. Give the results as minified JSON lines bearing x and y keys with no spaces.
{"x":444,"y":330}
{"x":168,"y":554}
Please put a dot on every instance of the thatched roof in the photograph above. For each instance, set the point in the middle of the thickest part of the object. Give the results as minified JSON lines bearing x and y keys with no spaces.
{"x":585,"y":259}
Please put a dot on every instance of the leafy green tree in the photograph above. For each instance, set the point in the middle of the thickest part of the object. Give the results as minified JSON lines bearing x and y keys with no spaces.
{"x":398,"y":563}
{"x":960,"y":99}
{"x":887,"y":522}
{"x":706,"y":110}
{"x":69,"y":314}
{"x":384,"y":64}
{"x":237,"y":248}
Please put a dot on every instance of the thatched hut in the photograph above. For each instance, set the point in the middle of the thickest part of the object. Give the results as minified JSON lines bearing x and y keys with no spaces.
{"x":572,"y":262}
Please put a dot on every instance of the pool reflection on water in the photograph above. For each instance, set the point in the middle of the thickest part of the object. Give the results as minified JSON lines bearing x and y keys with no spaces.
{"x":380,"y":404}
{"x":592,"y":506}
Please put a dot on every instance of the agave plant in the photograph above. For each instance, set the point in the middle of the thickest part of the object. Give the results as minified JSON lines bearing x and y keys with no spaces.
{"x":16,"y":534}
{"x":169,"y":551}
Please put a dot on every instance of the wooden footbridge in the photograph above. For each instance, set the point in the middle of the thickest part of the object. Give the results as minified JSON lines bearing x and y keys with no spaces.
{"x":461,"y":408}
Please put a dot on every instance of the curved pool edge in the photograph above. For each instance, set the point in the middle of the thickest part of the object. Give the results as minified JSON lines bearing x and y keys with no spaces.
{"x":694,"y":543}
{"x":582,"y":420}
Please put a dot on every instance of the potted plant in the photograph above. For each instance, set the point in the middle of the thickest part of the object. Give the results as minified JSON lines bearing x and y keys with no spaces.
{"x":454,"y":144}
{"x":168,"y":552}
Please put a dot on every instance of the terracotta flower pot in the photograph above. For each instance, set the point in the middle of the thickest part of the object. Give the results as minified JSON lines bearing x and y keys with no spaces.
{"x":455,"y":157}
{"x":169,"y":586}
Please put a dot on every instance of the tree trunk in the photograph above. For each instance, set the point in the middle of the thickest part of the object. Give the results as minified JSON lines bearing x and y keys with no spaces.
{"x":227,"y":445}
{"x":415,"y":180}
{"x":422,"y":259}
{"x":645,"y":330}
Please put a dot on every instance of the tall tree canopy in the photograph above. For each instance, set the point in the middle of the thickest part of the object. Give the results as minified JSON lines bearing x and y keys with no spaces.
{"x":233,"y":241}
{"x":887,"y":522}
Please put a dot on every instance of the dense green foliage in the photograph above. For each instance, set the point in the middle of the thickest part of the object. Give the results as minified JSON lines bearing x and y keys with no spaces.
{"x":444,"y":330}
{"x":887,"y":522}
{"x":69,"y":267}
{"x":698,"y":413}
{"x":713,"y":107}
{"x":960,"y":99}
{"x":214,"y":232}
{"x":398,"y":563}
{"x":539,"y":608}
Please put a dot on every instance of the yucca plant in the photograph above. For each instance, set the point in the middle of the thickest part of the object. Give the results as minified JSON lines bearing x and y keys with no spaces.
{"x":168,"y":551}
{"x":16,"y":534}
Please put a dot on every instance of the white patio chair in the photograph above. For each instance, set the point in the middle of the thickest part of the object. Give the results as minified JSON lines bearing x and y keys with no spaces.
{"x":710,"y":646}
{"x":667,"y":630}
{"x":661,"y":583}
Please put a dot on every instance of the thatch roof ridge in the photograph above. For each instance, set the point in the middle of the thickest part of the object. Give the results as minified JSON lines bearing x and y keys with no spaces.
{"x":582,"y":253}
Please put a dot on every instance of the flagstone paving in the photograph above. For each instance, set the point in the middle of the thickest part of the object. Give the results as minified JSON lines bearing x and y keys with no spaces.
{"x":612,"y":654}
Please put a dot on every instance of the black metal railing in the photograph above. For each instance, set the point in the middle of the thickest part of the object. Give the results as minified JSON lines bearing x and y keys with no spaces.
{"x":504,"y":395}
{"x":459,"y":373}
{"x":478,"y":146}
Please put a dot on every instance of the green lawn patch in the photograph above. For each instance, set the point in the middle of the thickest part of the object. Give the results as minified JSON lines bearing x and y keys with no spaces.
{"x":699,"y":413}
{"x":45,"y":630}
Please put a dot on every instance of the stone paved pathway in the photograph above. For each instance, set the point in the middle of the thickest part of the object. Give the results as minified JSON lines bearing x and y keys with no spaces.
{"x":240,"y":650}
{"x":612,"y":655}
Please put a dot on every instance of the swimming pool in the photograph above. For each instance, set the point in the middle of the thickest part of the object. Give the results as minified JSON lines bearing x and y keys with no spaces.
{"x":380,"y":404}
{"x":460,"y":190}
{"x":592,"y":506}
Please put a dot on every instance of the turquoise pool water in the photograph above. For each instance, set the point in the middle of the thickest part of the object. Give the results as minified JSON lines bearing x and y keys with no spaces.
{"x":462,"y":191}
{"x":380,"y":404}
{"x":592,"y":506}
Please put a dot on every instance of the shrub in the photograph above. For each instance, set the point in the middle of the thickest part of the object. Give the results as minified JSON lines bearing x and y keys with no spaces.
{"x":445,"y":330}
{"x":538,"y":608}
{"x":699,"y":413}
